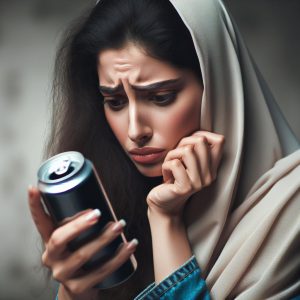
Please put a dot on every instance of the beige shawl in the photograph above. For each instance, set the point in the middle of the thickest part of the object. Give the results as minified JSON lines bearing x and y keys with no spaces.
{"x":244,"y":228}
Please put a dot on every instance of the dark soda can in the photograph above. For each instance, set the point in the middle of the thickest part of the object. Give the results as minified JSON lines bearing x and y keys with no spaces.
{"x":69,"y":184}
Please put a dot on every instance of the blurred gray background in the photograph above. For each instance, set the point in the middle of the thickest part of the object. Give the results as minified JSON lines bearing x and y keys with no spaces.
{"x":29,"y":33}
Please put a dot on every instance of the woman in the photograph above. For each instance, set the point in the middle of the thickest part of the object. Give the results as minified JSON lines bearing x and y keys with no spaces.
{"x":222,"y":218}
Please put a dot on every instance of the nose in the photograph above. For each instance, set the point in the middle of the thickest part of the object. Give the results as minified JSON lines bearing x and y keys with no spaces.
{"x":138,"y":130}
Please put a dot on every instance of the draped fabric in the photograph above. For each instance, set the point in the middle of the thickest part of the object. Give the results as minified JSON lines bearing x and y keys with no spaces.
{"x":245,"y":227}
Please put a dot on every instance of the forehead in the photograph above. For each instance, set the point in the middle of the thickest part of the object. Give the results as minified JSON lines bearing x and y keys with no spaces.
{"x":134,"y":64}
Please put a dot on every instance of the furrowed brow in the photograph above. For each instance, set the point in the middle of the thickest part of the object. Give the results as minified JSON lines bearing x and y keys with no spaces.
{"x":150,"y":87}
{"x":157,"y":85}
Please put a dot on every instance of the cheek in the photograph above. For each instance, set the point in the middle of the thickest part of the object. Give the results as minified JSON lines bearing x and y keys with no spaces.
{"x":118,"y":126}
{"x":183,"y":121}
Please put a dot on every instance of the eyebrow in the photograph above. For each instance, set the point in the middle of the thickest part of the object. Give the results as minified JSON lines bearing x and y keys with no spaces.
{"x":148,"y":88}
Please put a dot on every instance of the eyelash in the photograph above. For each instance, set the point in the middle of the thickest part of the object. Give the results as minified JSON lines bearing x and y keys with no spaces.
{"x":160,"y":100}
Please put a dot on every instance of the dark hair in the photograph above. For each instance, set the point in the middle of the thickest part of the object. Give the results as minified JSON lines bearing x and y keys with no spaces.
{"x":78,"y":120}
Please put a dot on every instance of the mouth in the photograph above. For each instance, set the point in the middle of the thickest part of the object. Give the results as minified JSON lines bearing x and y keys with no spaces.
{"x":147,"y":155}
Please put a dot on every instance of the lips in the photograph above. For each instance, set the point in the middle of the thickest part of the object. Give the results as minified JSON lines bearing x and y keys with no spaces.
{"x":146,"y":155}
{"x":145,"y":150}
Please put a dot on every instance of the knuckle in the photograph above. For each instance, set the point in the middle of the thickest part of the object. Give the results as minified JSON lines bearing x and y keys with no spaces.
{"x":45,"y":259}
{"x":167,"y":164}
{"x":74,"y":287}
{"x":197,"y":133}
{"x":56,"y":274}
{"x":197,"y":185}
{"x":81,"y":256}
{"x":167,"y":157}
{"x":198,"y":146}
{"x":221,"y":139}
{"x":169,"y":154}
{"x":175,"y":163}
{"x":188,"y":149}
{"x":55,"y":240}
{"x":208,"y":179}
{"x":202,"y":139}
{"x":182,"y":142}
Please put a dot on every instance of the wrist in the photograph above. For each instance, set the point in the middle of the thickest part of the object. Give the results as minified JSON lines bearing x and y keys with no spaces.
{"x":162,"y":220}
{"x":171,"y":247}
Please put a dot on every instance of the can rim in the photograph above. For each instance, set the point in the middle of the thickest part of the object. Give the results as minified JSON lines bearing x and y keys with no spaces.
{"x":77,"y":161}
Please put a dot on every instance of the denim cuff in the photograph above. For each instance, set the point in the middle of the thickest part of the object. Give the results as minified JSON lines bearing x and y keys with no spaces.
{"x":153,"y":291}
{"x":188,"y":272}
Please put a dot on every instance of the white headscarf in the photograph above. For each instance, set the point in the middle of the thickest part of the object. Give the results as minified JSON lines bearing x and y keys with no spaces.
{"x":245,"y":227}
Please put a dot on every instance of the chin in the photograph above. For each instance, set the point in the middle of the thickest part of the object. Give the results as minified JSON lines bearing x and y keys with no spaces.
{"x":150,"y":171}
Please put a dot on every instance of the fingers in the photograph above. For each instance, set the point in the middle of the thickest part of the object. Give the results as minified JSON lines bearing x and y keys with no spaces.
{"x":217,"y":142}
{"x":57,"y":244}
{"x":65,"y":268}
{"x":77,"y":259}
{"x":42,"y":221}
{"x":182,"y":183}
{"x":81,"y":284}
{"x":214,"y":141}
{"x":64,"y":264}
{"x":203,"y":153}
{"x":200,"y":154}
{"x":190,"y":161}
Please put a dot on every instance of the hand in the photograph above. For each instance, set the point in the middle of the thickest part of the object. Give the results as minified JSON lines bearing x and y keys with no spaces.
{"x":187,"y":169}
{"x":65,"y":265}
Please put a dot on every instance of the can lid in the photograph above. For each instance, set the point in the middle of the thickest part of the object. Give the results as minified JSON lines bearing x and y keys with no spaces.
{"x":60,"y":167}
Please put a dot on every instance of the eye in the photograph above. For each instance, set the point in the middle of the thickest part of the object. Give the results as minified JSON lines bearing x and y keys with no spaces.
{"x":163,"y":99}
{"x":114,"y":103}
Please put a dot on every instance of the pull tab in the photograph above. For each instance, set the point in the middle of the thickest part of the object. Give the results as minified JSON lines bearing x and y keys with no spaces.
{"x":60,"y":169}
{"x":63,"y":167}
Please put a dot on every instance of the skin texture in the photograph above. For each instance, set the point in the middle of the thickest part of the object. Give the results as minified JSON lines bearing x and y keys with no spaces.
{"x":189,"y":164}
{"x":192,"y":156}
{"x":140,"y":120}
{"x":63,"y":264}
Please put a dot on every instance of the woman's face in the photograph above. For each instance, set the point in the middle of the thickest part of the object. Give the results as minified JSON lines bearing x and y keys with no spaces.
{"x":148,"y":103}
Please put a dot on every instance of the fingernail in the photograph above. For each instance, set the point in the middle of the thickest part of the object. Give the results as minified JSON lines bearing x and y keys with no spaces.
{"x":121,"y":224}
{"x":132,"y":244}
{"x":95,"y":214}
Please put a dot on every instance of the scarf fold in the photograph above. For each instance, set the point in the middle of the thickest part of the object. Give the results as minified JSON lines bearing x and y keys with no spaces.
{"x":245,"y":227}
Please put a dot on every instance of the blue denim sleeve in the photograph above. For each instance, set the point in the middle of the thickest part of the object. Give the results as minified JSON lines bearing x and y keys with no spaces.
{"x":184,"y":283}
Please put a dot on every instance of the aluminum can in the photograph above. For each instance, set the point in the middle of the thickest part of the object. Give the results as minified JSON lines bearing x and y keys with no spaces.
{"x":69,"y":184}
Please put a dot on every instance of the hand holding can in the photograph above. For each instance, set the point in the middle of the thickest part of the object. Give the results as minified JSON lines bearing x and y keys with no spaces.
{"x":85,"y":248}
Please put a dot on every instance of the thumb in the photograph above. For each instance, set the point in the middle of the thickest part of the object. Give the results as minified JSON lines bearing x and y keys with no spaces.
{"x":43,"y":221}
